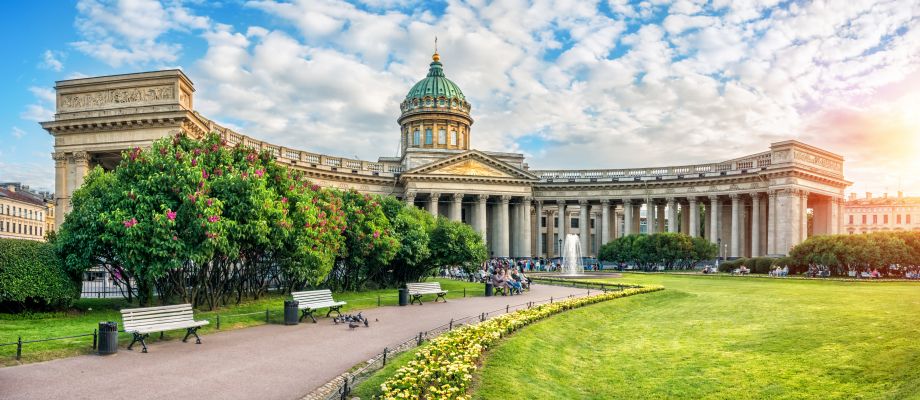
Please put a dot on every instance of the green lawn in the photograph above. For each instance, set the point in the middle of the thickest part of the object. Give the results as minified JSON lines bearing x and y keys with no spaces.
{"x":86,"y":314}
{"x":720,"y":338}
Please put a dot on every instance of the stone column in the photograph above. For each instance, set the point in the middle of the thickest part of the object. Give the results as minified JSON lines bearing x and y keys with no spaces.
{"x":481,"y":221}
{"x":659,"y":218}
{"x":503,"y":221}
{"x":81,"y":168}
{"x":771,"y":223}
{"x":584,"y":226}
{"x":684,"y":219}
{"x":524,"y":248}
{"x":803,"y":217}
{"x":714,"y":211}
{"x":637,"y":217}
{"x":605,"y":221}
{"x":563,"y":228}
{"x":627,"y":217}
{"x":433,"y":204}
{"x":694,"y":218}
{"x":755,"y":224}
{"x":456,"y":207}
{"x":836,"y":216}
{"x":672,"y":214}
{"x":410,"y":199}
{"x":651,"y":224}
{"x":61,"y":197}
{"x":539,"y":243}
{"x":736,"y":225}
{"x":550,"y":231}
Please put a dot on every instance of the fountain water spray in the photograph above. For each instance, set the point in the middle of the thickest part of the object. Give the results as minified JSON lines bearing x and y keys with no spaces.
{"x":571,"y":256}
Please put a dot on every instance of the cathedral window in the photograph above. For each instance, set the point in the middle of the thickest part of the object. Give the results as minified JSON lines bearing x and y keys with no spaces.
{"x":442,"y":136}
{"x":417,"y":139}
{"x":453,"y":138}
{"x":428,"y":138}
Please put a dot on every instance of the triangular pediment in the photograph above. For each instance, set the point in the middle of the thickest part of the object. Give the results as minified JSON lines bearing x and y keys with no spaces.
{"x":471,"y":164}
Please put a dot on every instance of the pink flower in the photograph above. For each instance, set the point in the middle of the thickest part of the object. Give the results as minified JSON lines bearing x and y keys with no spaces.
{"x":259,"y":172}
{"x":194,"y":162}
{"x":131,"y":222}
{"x":376,"y":234}
{"x":171,"y":215}
{"x":244,"y":174}
{"x":214,"y":146}
{"x":197,"y":152}
{"x":314,"y":187}
{"x":204,"y":174}
{"x":211,"y":235}
{"x":213,"y":218}
{"x":162,"y":151}
{"x":175,"y":238}
{"x":284,"y":199}
{"x":251,"y":157}
{"x":178,"y":156}
{"x":191,"y":198}
{"x":210,"y":201}
{"x":218,"y":172}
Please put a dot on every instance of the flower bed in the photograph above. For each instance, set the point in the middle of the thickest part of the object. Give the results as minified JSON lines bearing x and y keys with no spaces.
{"x":443,"y":370}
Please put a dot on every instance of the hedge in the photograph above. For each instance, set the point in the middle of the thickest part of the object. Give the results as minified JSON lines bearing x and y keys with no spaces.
{"x":443,"y":370}
{"x":33,"y":278}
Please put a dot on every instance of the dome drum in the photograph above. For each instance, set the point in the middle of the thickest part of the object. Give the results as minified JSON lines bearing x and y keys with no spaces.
{"x":435,"y":113}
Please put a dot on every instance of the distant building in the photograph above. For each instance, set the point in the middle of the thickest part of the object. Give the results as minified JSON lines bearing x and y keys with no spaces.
{"x":880,"y":214}
{"x":24,"y":213}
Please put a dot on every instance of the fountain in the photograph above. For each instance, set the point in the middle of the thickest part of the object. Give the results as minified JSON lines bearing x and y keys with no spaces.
{"x":572,"y":264}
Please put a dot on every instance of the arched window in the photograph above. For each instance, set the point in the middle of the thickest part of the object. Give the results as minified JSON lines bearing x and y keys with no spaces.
{"x":460,"y":139}
{"x":453,"y":138}
{"x":442,"y":136}
{"x":428,"y":138}
{"x":417,"y":138}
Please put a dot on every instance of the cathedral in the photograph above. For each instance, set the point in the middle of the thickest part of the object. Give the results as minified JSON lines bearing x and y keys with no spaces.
{"x":752,"y":205}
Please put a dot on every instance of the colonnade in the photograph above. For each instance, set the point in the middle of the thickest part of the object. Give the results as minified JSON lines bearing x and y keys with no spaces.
{"x":747,"y":224}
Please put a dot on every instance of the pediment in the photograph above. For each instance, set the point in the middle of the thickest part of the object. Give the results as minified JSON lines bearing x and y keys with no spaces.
{"x":470,"y":168}
{"x":472,"y":164}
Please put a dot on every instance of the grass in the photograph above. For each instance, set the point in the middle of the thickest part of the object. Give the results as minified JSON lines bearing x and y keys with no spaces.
{"x":85,"y":315}
{"x":720,"y":338}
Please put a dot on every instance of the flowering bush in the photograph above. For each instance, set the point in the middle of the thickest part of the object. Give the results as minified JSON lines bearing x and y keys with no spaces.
{"x":443,"y":370}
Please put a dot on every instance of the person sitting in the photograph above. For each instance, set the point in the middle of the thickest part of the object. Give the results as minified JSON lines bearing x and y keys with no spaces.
{"x":511,"y":283}
{"x":498,"y":281}
{"x":522,"y":279}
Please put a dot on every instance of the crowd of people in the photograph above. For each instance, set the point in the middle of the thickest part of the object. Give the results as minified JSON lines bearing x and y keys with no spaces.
{"x":779,"y":272}
{"x":506,"y":275}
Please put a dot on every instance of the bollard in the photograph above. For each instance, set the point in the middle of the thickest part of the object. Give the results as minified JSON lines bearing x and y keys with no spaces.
{"x":507,"y":308}
{"x":266,"y":315}
{"x":345,"y":389}
{"x":419,"y":340}
{"x":385,"y":349}
{"x":550,"y":300}
{"x":464,"y":293}
{"x":19,"y":348}
{"x":451,"y":326}
{"x":378,"y":300}
{"x":218,"y":321}
{"x":94,"y":339}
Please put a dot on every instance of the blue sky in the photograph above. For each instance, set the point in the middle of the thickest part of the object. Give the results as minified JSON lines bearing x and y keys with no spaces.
{"x":573,"y":84}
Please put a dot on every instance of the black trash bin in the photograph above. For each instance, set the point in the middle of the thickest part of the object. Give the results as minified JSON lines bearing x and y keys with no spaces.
{"x":489,"y":289}
{"x":290,"y":312}
{"x":403,"y":296}
{"x":108,"y":338}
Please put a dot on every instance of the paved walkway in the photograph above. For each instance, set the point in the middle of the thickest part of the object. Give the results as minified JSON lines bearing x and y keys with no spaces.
{"x":263,"y":362}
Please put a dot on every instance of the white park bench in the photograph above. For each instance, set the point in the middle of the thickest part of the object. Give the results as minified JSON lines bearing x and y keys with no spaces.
{"x":313,"y":300}
{"x":142,"y":321}
{"x":417,"y":290}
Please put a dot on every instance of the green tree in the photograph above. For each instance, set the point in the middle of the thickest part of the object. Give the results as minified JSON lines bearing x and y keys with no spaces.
{"x":456,"y":244}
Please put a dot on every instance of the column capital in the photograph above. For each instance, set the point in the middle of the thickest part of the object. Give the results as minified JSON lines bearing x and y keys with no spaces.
{"x":772,"y":193}
{"x":458,"y":197}
{"x":504,"y":199}
{"x":527,"y":199}
{"x":482,"y":198}
{"x":713,"y":197}
{"x":80,"y":156}
{"x":538,"y":202}
{"x":435,"y":195}
{"x":582,"y":202}
{"x":410,"y":195}
{"x":627,"y":202}
{"x":605,"y":202}
{"x":560,"y":202}
{"x":670,"y":200}
{"x":734,"y":197}
{"x":755,"y":195}
{"x":692,"y":200}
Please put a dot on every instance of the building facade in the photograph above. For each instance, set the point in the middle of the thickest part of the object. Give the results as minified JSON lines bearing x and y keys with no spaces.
{"x":881,"y":214}
{"x":752,"y":205}
{"x":23,"y":214}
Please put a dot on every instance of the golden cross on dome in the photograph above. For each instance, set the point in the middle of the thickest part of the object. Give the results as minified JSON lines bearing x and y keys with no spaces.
{"x":436,"y":57}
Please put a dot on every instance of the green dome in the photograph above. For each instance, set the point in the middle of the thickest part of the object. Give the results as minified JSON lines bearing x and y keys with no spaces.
{"x":435,"y":91}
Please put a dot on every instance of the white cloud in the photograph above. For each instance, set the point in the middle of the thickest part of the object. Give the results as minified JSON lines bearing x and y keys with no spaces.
{"x":37,"y":113}
{"x":130,"y":32}
{"x":17,"y":133}
{"x":51,"y":60}
{"x":697,"y":81}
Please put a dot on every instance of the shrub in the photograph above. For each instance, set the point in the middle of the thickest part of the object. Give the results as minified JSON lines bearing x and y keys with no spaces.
{"x":763,"y":265}
{"x":33,"y":278}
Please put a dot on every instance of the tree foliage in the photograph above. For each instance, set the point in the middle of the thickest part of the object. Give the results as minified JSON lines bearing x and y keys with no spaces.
{"x":669,"y":250}
{"x":842,"y":253}
{"x":32,"y":277}
{"x":200,"y":222}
